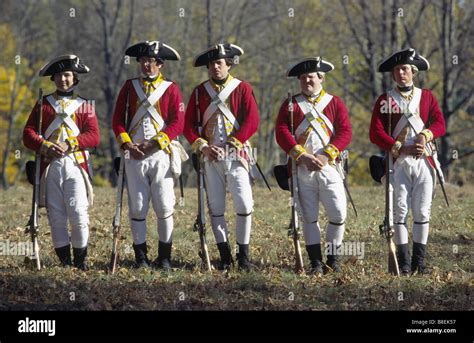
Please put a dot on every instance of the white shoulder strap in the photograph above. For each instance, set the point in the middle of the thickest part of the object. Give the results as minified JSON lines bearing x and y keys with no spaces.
{"x":321,"y":105}
{"x":311,"y":115}
{"x":148,"y":104}
{"x":63,"y":117}
{"x":218,"y":101}
{"x":410,"y":117}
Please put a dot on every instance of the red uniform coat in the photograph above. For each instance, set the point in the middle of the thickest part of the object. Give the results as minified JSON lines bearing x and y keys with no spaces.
{"x":336,"y":112}
{"x":242,"y":105}
{"x":170,"y":108}
{"x":429,"y":113}
{"x":86,"y":121}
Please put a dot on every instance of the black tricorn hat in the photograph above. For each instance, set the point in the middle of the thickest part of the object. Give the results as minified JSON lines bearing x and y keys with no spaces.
{"x":63,"y":63}
{"x":309,"y":65}
{"x":407,"y":56}
{"x":154,"y":49}
{"x":217,"y":52}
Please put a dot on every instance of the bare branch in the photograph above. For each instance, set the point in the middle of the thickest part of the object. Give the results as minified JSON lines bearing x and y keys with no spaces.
{"x":465,"y":100}
{"x":354,"y":32}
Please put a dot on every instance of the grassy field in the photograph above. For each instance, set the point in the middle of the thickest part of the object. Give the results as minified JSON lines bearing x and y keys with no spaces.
{"x":363,"y":285}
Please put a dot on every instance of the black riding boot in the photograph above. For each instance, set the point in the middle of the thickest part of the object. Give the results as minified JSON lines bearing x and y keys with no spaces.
{"x":163,"y":261}
{"x":418,"y":260}
{"x":315,"y":258}
{"x":80,"y":255}
{"x":64,"y":254}
{"x":243,"y":257}
{"x":226,"y":258}
{"x":141,"y":259}
{"x":332,"y":262}
{"x":403,"y":258}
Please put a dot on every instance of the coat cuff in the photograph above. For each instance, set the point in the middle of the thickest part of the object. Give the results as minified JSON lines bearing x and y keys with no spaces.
{"x":199,"y":144}
{"x":123,"y":138}
{"x":332,"y":151}
{"x":428,"y":135}
{"x":45,"y":145}
{"x":297,"y":151}
{"x":163,"y":140}
{"x":73,"y":143}
{"x":235,"y":143}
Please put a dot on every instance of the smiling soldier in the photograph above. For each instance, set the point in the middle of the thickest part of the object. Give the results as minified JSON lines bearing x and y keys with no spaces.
{"x":70,"y":127}
{"x":322,"y":131}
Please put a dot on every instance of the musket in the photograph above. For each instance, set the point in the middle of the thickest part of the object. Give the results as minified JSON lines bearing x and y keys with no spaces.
{"x":387,"y":227}
{"x":293,"y":229}
{"x":200,"y":223}
{"x":33,"y":223}
{"x":116,"y":221}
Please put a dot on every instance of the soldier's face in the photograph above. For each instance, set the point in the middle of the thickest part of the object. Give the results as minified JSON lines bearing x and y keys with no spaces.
{"x":150,"y":66}
{"x":64,"y":80}
{"x":403,"y":74}
{"x":218,"y":69}
{"x":310,"y":83}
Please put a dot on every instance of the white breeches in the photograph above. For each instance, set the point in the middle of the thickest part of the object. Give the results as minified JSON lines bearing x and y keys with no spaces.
{"x":325,"y":186}
{"x":230,"y":175}
{"x":413,"y":188}
{"x":150,"y":178}
{"x":66,"y":199}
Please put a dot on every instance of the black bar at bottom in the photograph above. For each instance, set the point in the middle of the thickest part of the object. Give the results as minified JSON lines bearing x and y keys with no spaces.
{"x":402,"y":324}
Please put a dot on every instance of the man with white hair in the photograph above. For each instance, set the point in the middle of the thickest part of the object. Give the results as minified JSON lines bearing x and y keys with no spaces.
{"x":155,"y":118}
{"x":416,"y":121}
{"x":322,"y":131}
{"x":221,"y":117}
{"x":69,"y":127}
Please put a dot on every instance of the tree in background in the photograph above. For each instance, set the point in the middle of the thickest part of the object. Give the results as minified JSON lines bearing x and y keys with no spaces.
{"x":354,"y":35}
{"x":16,"y":95}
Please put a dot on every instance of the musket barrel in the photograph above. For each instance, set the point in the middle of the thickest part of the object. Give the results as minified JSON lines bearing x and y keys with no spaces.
{"x":116,"y":221}
{"x":34,"y":222}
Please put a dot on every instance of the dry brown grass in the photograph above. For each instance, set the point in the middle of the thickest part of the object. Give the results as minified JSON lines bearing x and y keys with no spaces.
{"x":364,"y":284}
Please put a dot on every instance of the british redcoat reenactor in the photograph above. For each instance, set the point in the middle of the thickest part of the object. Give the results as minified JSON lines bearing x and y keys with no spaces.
{"x":226,"y":110}
{"x":70,"y":127}
{"x":416,"y":120}
{"x":146,"y":134}
{"x":322,"y":130}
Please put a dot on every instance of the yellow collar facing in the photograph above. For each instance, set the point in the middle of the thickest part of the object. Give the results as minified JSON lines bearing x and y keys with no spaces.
{"x":216,"y":86}
{"x":318,"y":98}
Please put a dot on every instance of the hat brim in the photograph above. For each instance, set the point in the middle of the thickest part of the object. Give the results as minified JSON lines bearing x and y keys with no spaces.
{"x":403,"y":57}
{"x":143,"y":49}
{"x":63,"y":63}
{"x":213,"y":54}
{"x":309,"y":65}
